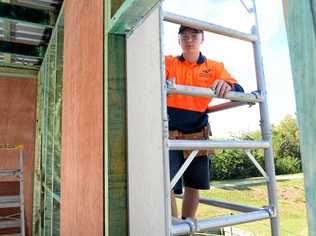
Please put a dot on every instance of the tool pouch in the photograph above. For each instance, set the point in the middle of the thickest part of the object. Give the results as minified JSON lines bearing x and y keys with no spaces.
{"x":204,"y":134}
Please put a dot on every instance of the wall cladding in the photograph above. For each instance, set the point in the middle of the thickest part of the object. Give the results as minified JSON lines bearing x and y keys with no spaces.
{"x":82,"y":120}
{"x":17,"y":125}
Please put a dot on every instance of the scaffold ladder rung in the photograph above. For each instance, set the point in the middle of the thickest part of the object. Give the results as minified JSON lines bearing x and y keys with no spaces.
{"x":9,"y":205}
{"x":210,"y":145}
{"x":186,"y":226}
{"x":8,"y":224}
{"x":206,"y":26}
{"x":173,"y":88}
{"x":13,"y":198}
{"x":9,"y":201}
{"x":9,"y":173}
{"x":10,"y":234}
{"x":14,"y":201}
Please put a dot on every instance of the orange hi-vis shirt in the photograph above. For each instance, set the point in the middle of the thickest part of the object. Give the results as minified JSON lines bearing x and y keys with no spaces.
{"x":200,"y":74}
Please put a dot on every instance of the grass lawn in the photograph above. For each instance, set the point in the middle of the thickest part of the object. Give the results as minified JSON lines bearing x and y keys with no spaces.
{"x":291,"y":205}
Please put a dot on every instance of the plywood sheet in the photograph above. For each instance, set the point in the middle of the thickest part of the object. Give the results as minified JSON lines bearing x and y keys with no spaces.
{"x":82,"y":120}
{"x":17,"y":126}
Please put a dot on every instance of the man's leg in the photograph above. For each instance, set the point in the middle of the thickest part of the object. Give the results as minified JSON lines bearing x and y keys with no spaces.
{"x":196,"y":177}
{"x":190,"y":202}
{"x":175,"y":162}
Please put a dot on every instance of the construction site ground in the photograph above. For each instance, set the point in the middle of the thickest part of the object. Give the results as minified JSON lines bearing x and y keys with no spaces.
{"x":252,"y":191}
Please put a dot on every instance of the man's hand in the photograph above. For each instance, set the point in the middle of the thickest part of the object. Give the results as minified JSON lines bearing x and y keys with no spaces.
{"x":221,"y":87}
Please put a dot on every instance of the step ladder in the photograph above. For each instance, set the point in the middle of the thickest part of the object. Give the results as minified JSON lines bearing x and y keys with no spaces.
{"x":248,"y":213}
{"x":13,"y":220}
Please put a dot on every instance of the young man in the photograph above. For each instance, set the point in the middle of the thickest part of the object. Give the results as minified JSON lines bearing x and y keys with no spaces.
{"x":187,"y":114}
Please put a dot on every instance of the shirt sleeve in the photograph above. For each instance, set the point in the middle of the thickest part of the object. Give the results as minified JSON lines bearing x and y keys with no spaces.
{"x":237,"y":88}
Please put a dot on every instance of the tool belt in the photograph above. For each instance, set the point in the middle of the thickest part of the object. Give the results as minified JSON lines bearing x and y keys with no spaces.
{"x":201,"y":135}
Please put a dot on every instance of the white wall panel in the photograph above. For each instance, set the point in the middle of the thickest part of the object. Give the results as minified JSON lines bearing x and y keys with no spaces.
{"x":147,"y":213}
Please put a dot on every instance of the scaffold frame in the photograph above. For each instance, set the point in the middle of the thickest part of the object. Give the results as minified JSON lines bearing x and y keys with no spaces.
{"x":237,"y":99}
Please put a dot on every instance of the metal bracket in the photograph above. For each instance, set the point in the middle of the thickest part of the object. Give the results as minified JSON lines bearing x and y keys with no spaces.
{"x":192,"y":224}
{"x":271,"y":210}
{"x":171,"y":83}
{"x":257,"y":95}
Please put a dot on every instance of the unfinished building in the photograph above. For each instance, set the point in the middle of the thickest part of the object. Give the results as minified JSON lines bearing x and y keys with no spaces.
{"x":72,"y":91}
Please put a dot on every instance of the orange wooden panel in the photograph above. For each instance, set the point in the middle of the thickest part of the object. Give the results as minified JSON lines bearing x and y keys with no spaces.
{"x":82,"y":120}
{"x":17,"y":126}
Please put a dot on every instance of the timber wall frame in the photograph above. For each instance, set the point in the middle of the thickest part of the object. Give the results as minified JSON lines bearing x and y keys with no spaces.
{"x":46,"y":197}
{"x":68,"y":179}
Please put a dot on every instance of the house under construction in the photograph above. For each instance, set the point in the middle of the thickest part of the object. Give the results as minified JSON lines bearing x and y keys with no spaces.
{"x":77,"y":155}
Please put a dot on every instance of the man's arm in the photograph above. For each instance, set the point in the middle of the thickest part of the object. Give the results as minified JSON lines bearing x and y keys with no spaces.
{"x":225,"y":82}
{"x":221,"y":87}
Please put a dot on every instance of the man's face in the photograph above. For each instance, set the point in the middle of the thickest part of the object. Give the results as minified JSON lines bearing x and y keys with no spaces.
{"x":190,"y":41}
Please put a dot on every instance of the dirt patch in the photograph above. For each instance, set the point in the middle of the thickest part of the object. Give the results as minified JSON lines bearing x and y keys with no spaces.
{"x":259,"y":193}
{"x":292,"y":194}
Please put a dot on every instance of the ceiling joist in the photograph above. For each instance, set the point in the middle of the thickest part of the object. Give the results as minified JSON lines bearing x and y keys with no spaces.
{"x":36,"y":4}
{"x":25,"y":30}
{"x":17,"y":60}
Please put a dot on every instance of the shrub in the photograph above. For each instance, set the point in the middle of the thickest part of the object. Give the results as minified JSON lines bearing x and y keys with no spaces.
{"x":287,"y":165}
{"x":232,"y":164}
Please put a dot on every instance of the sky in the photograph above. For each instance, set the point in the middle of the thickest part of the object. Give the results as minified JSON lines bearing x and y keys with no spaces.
{"x":237,"y":57}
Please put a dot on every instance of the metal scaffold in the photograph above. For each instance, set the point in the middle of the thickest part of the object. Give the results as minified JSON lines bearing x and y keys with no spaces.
{"x":15,"y":220}
{"x":248,"y":213}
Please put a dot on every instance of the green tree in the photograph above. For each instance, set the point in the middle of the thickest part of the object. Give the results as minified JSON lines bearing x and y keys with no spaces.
{"x":286,"y":139}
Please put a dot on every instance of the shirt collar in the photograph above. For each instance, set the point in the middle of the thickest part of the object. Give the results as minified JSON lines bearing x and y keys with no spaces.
{"x":199,"y":61}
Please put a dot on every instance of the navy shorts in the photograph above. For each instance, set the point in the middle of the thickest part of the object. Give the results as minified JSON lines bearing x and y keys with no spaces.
{"x":196,"y":176}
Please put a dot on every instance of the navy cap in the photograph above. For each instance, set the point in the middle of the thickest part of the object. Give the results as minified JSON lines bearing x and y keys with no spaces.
{"x":184,"y":28}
